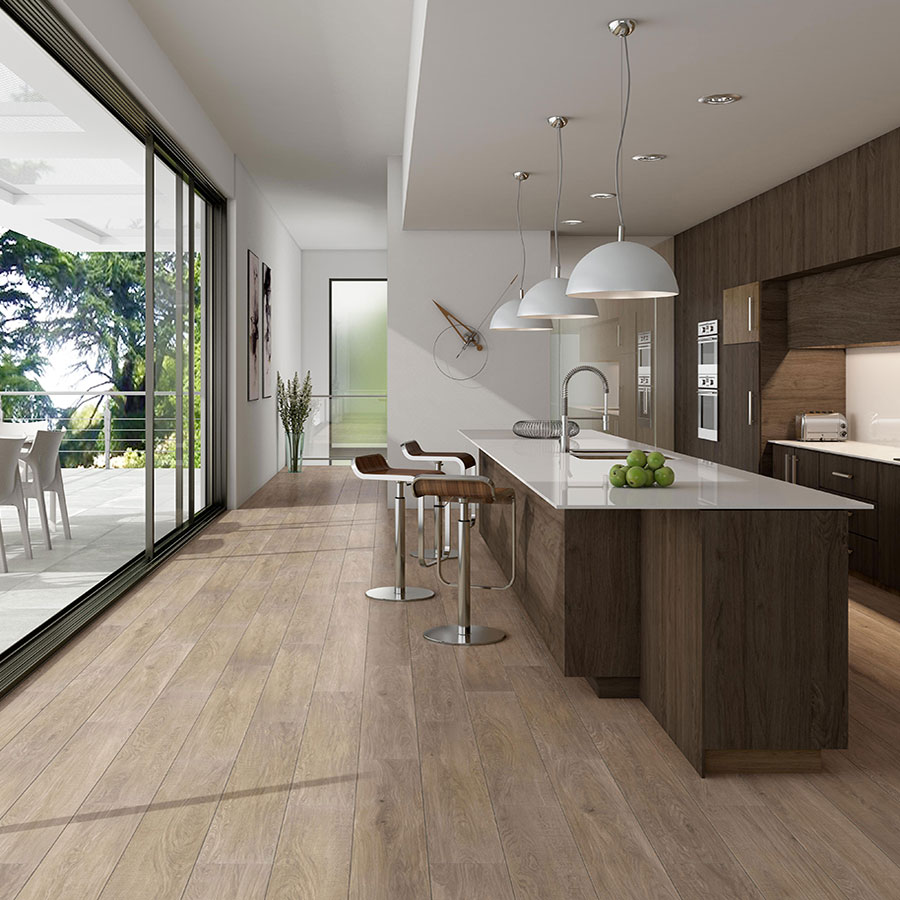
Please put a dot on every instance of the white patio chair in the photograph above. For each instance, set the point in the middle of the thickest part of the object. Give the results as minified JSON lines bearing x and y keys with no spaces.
{"x":45,"y":476}
{"x":11,"y":492}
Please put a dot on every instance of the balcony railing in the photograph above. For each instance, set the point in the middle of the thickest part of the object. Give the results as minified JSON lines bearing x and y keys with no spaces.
{"x":99,"y":434}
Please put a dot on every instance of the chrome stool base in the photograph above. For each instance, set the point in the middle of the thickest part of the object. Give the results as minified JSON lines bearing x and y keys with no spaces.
{"x":399,"y":595}
{"x":464,"y":637}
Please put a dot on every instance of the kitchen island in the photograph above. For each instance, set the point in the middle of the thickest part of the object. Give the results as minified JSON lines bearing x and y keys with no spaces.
{"x":720,"y":601}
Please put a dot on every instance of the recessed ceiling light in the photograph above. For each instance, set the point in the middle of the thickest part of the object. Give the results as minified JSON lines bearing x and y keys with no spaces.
{"x":572,"y":222}
{"x":603,"y":195}
{"x":719,"y":99}
{"x":648,"y":157}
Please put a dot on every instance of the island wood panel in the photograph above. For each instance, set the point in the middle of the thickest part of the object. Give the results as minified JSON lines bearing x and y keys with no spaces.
{"x":602,"y":591}
{"x":775,"y":632}
{"x":782,"y":232}
{"x":849,"y":306}
{"x":576,"y":580}
{"x":540,"y":554}
{"x":671,"y":626}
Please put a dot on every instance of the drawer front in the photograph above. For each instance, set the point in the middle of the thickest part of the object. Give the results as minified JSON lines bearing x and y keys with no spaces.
{"x":863,"y":555}
{"x":845,"y":475}
{"x":864,"y":522}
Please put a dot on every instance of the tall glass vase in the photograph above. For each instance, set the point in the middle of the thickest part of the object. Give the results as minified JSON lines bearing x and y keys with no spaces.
{"x":293,"y":451}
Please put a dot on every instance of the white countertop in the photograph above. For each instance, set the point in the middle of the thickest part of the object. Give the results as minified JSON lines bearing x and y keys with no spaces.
{"x":883,"y":453}
{"x":572,"y":483}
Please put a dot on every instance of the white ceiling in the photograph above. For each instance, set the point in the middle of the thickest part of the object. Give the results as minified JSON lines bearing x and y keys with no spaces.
{"x":310,"y":95}
{"x":818,"y":78}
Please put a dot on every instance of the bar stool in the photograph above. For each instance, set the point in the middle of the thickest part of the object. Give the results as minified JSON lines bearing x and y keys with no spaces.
{"x":464,"y":490}
{"x":466,"y":462}
{"x":376,"y":468}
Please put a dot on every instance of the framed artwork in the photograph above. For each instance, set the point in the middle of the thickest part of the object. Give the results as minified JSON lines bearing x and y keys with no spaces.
{"x":266,"y":331}
{"x":252,"y":326}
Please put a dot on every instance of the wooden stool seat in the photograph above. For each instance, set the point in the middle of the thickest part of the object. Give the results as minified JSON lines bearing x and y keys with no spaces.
{"x":466,"y":489}
{"x":412,"y":450}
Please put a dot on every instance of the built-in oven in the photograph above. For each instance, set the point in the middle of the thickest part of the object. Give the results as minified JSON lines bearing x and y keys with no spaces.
{"x":644,"y":379}
{"x":644,"y":353}
{"x":707,"y":408}
{"x":708,"y":347}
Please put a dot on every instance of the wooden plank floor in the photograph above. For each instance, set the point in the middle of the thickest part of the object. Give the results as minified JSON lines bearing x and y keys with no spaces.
{"x":246,"y":724}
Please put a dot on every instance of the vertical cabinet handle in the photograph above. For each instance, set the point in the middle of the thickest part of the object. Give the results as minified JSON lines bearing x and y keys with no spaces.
{"x":618,"y":335}
{"x":794,"y":469}
{"x":749,"y":407}
{"x":750,"y":313}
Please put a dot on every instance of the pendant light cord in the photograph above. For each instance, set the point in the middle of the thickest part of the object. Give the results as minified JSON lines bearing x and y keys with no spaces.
{"x":519,"y":229}
{"x":626,"y":62}
{"x":559,"y":183}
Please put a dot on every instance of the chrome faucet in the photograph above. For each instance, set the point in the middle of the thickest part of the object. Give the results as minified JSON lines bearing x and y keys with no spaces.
{"x":564,"y":404}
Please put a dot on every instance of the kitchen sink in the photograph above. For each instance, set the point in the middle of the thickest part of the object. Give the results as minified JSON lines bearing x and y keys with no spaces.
{"x":600,"y":454}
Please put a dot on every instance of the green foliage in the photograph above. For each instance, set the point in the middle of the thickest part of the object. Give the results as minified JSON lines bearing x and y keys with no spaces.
{"x":294,"y":402}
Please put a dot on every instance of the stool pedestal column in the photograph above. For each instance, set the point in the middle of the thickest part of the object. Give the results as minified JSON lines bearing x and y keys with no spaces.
{"x":399,"y":592}
{"x":464,"y":633}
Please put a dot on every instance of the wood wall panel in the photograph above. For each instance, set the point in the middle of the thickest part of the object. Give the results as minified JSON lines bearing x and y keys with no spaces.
{"x":853,"y":305}
{"x":844,"y":210}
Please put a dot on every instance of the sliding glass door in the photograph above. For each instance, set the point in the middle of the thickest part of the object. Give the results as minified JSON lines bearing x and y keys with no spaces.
{"x":111,"y":333}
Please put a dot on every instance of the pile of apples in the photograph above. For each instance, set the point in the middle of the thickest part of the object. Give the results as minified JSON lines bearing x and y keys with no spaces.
{"x":642,"y":470}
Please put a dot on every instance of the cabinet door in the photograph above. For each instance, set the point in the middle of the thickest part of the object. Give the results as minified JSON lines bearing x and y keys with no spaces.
{"x":795,"y":465}
{"x":739,"y":406}
{"x":889,"y":525}
{"x":740,"y":314}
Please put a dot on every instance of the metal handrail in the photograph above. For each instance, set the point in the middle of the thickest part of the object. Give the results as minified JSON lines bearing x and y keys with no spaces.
{"x":108,"y":418}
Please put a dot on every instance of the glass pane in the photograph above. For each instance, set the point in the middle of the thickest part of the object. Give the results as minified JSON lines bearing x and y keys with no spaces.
{"x":168,"y":300}
{"x":72,"y":336}
{"x":358,"y":367}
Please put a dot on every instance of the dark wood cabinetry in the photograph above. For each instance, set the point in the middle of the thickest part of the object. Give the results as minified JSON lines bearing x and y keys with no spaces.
{"x":741,"y":314}
{"x":846,"y":307}
{"x":763,"y":384}
{"x":874,"y":542}
{"x":739,"y":405}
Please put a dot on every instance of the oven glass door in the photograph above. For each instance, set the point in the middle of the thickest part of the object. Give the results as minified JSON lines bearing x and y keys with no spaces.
{"x":708,"y":415}
{"x":707,"y":355}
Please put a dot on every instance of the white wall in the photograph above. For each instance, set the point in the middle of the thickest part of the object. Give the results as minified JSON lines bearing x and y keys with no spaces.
{"x":256,"y":450}
{"x":318,"y":267}
{"x":464,"y":271}
{"x":873,"y":404}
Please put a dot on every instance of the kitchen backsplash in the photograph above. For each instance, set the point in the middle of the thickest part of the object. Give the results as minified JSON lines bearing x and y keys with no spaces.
{"x":873,"y":394}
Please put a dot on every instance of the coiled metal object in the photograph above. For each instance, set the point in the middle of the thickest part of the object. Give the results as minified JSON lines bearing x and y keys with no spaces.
{"x":543,"y":428}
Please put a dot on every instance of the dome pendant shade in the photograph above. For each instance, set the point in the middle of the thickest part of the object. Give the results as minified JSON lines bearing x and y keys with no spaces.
{"x":622,"y":270}
{"x":507,"y":319}
{"x":547,"y":300}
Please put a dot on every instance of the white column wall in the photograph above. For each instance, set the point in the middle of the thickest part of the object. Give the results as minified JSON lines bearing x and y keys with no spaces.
{"x":464,"y":271}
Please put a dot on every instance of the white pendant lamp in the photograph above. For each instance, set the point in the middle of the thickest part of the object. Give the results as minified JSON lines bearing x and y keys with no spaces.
{"x":622,"y":270}
{"x":507,"y":316}
{"x":547,"y":299}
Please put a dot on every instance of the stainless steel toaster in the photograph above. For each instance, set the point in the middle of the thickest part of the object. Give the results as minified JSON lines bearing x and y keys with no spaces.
{"x":821,"y":426}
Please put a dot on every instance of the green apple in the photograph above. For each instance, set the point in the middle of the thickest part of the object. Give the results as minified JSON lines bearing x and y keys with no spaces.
{"x":617,"y":476}
{"x":655,"y":460}
{"x":635,"y":477}
{"x":636,"y":458}
{"x":664,"y":476}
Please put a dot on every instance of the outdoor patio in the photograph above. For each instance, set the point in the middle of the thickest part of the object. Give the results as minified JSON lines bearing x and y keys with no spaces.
{"x":106,"y":512}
